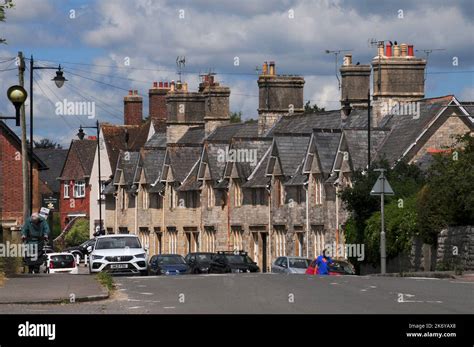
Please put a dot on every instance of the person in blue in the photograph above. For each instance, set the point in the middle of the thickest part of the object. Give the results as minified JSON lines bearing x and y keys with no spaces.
{"x":322,"y":263}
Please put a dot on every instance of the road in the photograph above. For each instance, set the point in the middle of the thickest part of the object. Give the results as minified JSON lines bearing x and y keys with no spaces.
{"x":272,"y":293}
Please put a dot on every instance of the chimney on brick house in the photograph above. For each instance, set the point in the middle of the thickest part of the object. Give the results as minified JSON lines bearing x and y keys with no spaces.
{"x":355,"y":83}
{"x":157,"y":101}
{"x":133,"y":108}
{"x":185,"y":109}
{"x":401,"y":76}
{"x":217,"y":112}
{"x":278,"y":95}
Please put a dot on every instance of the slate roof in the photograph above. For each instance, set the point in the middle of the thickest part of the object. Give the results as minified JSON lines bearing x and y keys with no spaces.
{"x":54,"y":158}
{"x":213,"y":157}
{"x":79,"y":160}
{"x":152,"y":163}
{"x":157,"y":140}
{"x":291,"y":151}
{"x":191,"y":182}
{"x":306,"y":122}
{"x":405,"y":129}
{"x":194,"y":135}
{"x":357,"y":145}
{"x":248,"y":162}
{"x":327,"y":144}
{"x":225,"y":133}
{"x":115,"y":137}
{"x":258,"y":179}
{"x":182,"y":159}
{"x":127,"y":165}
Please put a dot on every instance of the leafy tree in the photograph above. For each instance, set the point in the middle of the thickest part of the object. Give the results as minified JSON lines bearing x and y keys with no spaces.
{"x":236,"y":117}
{"x":78,"y":234}
{"x":46,"y":143}
{"x":6,"y":5}
{"x":308,"y":108}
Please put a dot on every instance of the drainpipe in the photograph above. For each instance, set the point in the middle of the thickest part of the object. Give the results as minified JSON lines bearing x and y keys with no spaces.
{"x":337,"y":219}
{"x":306,"y":188}
{"x":163,"y":217}
{"x":136,"y":215}
{"x":269,"y":245}
{"x":228,"y":219}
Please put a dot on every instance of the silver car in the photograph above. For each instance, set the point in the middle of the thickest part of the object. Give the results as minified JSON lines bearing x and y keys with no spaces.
{"x":290,"y":265}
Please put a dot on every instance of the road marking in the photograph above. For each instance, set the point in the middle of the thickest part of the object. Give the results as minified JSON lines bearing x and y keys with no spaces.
{"x":461,"y":282}
{"x":146,"y":293}
{"x":169,"y":307}
{"x":135,"y":300}
{"x":333,"y":283}
{"x":422,"y":278}
{"x":141,"y":286}
{"x":135,"y":307}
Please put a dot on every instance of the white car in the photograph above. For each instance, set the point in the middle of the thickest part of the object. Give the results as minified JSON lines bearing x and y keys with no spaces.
{"x":118,"y":253}
{"x":61,"y":263}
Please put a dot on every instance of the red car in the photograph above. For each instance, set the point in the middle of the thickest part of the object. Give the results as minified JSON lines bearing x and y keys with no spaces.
{"x":337,"y":268}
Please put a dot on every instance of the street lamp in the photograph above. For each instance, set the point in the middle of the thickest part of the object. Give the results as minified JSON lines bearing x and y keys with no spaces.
{"x":59,"y":81}
{"x":17,"y":95}
{"x":80,"y":134}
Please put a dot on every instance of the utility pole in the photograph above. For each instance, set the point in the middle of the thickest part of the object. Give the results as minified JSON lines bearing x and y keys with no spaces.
{"x":24,"y":148}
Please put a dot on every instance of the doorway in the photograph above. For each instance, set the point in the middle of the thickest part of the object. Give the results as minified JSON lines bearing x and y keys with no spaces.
{"x":264,"y":252}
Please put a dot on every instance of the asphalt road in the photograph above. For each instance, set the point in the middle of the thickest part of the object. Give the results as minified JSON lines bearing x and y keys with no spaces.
{"x":272,"y":293}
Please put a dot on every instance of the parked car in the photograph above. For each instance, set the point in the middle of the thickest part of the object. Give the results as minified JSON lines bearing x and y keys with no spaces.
{"x":61,"y":263}
{"x":82,"y":250}
{"x":291,"y":265}
{"x":167,"y":264}
{"x":232,"y":262}
{"x":337,"y":268}
{"x":199,"y":262}
{"x":121,"y":254}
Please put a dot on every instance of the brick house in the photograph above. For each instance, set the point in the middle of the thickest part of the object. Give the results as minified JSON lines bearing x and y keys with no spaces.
{"x":11,"y":182}
{"x":280,"y":196}
{"x":74,"y":180}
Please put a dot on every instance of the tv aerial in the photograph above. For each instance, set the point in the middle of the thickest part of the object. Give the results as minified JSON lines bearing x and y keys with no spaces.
{"x":336,"y":53}
{"x":180,"y":64}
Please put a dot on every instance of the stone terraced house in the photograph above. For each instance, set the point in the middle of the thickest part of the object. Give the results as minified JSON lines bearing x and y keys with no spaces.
{"x":271,"y":187}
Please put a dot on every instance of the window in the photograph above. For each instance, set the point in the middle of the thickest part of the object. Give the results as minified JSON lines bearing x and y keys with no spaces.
{"x":318,"y":189}
{"x":66,"y":190}
{"x":211,"y":199}
{"x":299,"y":194}
{"x":236,"y":238}
{"x":145,"y":202}
{"x":192,"y":199}
{"x":280,"y":242}
{"x":79,"y":189}
{"x":123,"y":198}
{"x":299,"y":243}
{"x":172,"y":240}
{"x":319,"y":240}
{"x":210,"y":239}
{"x":279,"y":195}
{"x":101,"y":189}
{"x":237,"y":193}
{"x":172,"y":197}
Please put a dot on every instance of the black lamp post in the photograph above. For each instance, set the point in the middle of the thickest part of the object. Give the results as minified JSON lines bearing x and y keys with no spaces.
{"x":59,"y":81}
{"x":17,"y":95}
{"x":81,"y":135}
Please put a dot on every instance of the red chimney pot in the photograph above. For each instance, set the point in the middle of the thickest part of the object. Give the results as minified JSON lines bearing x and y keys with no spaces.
{"x":410,"y":50}
{"x":388,"y":52}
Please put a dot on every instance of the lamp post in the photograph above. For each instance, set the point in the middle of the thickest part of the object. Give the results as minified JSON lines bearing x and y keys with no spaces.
{"x":17,"y":95}
{"x":59,"y":81}
{"x":81,"y":135}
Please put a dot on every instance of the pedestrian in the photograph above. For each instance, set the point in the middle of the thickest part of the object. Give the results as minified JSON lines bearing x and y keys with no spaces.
{"x":35,"y":231}
{"x":322,"y":263}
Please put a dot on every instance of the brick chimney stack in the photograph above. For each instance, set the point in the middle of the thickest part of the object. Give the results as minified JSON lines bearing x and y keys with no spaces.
{"x":133,"y":108}
{"x":355,"y":82}
{"x":157,"y":101}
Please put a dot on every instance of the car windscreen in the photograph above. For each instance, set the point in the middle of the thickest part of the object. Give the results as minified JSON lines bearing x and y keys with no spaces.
{"x":117,"y":242}
{"x":170,"y":260}
{"x":62,"y":260}
{"x":204,"y":257}
{"x":299,"y":263}
{"x":238,"y":259}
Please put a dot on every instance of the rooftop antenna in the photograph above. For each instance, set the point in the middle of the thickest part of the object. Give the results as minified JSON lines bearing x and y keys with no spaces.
{"x":427,"y":53}
{"x":373,"y":42}
{"x":180,"y":63}
{"x":336,"y":53}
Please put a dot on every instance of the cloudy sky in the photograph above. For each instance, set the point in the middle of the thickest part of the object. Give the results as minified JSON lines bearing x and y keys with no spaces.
{"x":110,"y":46}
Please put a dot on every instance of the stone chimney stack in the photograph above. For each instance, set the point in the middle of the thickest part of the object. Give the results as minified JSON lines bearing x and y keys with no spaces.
{"x":355,"y":83}
{"x":133,"y":108}
{"x":278,"y":95}
{"x":157,"y":101}
{"x":184,"y":110}
{"x":398,"y":77}
{"x":217,"y":112}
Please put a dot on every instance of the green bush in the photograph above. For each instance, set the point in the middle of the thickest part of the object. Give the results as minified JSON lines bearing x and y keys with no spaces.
{"x":78,"y":234}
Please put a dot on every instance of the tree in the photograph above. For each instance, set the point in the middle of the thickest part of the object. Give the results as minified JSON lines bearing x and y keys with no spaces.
{"x":6,"y":5}
{"x":46,"y":143}
{"x":78,"y":234}
{"x":308,"y":108}
{"x":236,"y":117}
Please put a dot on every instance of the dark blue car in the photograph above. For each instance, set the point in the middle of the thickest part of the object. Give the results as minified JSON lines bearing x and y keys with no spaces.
{"x":167,"y":264}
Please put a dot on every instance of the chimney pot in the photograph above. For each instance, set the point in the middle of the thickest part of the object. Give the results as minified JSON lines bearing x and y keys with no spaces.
{"x":130,"y":92}
{"x":165,"y":85}
{"x":410,"y":51}
{"x":265,"y":68}
{"x":272,"y":68}
{"x":396,"y":50}
{"x":155,"y":84}
{"x":347,"y":59}
{"x":388,"y":50}
{"x":135,"y":92}
{"x":404,"y":49}
{"x":380,"y":48}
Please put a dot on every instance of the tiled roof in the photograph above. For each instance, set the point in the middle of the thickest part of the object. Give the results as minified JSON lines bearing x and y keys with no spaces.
{"x":127,"y":165}
{"x":54,"y":158}
{"x":157,"y":140}
{"x":291,"y":151}
{"x":182,"y":160}
{"x":327,"y":144}
{"x":191,"y":182}
{"x":79,"y":161}
{"x":216,"y":164}
{"x":115,"y":137}
{"x":305,"y":123}
{"x":152,"y":162}
{"x":357,"y":145}
{"x":258,"y":178}
{"x":225,"y":133}
{"x":251,"y":153}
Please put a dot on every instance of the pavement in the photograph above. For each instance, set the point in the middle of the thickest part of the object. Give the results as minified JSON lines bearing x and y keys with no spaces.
{"x":271,"y":293}
{"x":51,"y":288}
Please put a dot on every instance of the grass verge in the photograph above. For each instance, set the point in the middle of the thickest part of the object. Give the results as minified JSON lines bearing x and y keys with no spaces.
{"x":106,"y":280}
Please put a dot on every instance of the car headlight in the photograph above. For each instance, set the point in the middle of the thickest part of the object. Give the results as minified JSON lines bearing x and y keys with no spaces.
{"x":96,"y":257}
{"x":141,"y":255}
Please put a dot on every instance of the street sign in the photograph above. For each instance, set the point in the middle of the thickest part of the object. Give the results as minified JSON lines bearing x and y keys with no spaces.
{"x":382,"y":187}
{"x":44,"y":212}
{"x":51,"y":202}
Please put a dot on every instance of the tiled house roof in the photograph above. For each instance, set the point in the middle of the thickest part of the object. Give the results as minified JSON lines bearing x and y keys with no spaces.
{"x":79,"y":160}
{"x":54,"y":158}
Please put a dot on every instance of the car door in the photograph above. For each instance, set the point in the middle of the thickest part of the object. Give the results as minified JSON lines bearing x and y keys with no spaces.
{"x":216,"y":264}
{"x":276,"y":266}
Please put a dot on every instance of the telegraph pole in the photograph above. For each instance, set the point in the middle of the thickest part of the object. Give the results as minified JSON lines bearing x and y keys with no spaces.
{"x":24,"y":148}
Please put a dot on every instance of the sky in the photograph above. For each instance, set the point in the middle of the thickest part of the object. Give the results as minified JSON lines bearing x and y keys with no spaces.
{"x":107,"y":47}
